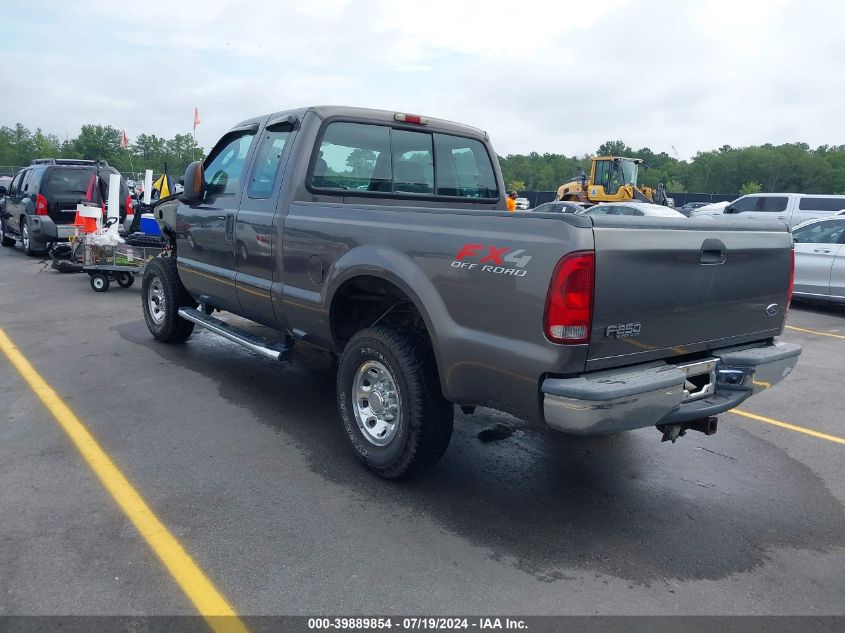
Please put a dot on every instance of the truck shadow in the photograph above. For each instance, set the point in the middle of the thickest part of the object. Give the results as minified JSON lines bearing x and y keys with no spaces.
{"x":625,"y":506}
{"x":820,"y":307}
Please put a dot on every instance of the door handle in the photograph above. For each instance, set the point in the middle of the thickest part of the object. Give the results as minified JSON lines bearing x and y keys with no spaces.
{"x":781,"y":217}
{"x":821,"y":250}
{"x":221,"y":217}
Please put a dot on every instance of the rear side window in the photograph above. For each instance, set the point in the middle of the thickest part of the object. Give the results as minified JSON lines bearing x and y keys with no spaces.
{"x":354,"y":156}
{"x":224,"y":167}
{"x":25,"y":181}
{"x":821,"y":204}
{"x":772,"y":204}
{"x":34,"y":181}
{"x":367,"y":157}
{"x":267,"y":161}
{"x":463,"y":168}
{"x":832,"y":232}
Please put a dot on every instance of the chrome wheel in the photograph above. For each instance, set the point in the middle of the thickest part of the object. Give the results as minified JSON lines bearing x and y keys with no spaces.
{"x":156,"y":301}
{"x":378,"y":406}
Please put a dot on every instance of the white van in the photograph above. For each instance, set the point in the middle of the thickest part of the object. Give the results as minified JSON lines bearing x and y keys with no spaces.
{"x":792,"y":208}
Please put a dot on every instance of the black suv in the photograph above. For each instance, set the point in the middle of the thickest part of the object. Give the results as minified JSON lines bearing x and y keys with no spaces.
{"x":40,"y":204}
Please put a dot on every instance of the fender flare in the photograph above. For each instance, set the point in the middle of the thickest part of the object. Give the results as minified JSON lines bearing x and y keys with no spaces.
{"x":400,"y":270}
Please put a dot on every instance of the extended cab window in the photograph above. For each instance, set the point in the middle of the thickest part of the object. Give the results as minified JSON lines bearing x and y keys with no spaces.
{"x":463,"y":168}
{"x":225,"y":165}
{"x":354,"y":156}
{"x":772,"y":204}
{"x":267,"y":160}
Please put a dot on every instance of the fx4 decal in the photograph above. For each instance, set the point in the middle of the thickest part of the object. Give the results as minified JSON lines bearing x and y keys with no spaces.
{"x":499,"y":260}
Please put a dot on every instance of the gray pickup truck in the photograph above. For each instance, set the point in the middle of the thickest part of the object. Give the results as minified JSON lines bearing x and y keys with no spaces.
{"x":383,"y":237}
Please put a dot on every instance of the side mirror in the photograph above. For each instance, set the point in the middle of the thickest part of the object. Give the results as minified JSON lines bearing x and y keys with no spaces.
{"x":730,"y":209}
{"x":194,"y":192}
{"x":3,"y":190}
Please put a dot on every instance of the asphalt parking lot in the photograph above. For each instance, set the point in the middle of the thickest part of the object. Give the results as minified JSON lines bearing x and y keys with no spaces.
{"x":246,"y":465}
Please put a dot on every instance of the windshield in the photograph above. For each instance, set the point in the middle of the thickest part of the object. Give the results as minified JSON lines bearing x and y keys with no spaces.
{"x":629,"y":171}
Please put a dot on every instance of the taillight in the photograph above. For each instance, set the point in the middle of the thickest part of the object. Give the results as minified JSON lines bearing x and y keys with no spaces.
{"x":569,"y":305}
{"x":791,"y":280}
{"x":40,"y":205}
{"x":130,"y":207}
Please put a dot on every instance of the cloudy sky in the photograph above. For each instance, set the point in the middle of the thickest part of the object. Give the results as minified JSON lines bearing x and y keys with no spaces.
{"x":554,"y":76}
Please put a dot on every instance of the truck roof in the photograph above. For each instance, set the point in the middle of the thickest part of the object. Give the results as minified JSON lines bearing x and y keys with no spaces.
{"x":386,"y":116}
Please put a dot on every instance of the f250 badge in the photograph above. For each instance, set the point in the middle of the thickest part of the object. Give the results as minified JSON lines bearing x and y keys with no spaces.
{"x":623,"y":330}
{"x":499,"y":260}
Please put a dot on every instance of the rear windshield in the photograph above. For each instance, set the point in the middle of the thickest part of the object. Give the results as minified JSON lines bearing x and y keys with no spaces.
{"x":75,"y":180}
{"x":821,"y":204}
{"x":377,"y":158}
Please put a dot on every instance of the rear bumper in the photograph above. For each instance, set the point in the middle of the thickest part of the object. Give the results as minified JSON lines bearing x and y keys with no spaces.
{"x":43,"y":229}
{"x":644,"y":395}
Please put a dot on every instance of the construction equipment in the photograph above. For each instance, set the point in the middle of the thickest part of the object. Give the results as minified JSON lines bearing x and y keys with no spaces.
{"x":611,"y":179}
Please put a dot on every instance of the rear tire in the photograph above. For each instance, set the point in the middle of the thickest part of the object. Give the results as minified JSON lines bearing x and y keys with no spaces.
{"x":30,"y":246}
{"x":124,"y":279}
{"x":5,"y":240}
{"x":390,"y":402}
{"x":162,"y":294}
{"x":99,"y":282}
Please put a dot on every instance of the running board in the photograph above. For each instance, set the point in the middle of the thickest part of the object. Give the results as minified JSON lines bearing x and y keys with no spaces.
{"x":258,"y":344}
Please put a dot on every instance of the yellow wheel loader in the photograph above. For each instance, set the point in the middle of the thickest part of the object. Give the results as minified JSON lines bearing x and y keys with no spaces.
{"x":611,"y":179}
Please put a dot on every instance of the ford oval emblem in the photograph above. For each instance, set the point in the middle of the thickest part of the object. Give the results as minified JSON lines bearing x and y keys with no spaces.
{"x":772,"y":309}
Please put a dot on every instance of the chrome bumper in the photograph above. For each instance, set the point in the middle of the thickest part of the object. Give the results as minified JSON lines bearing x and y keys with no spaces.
{"x":654,"y":393}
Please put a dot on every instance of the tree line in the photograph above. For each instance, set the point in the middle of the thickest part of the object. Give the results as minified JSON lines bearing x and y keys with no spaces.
{"x":790,"y":167}
{"x":19,"y":146}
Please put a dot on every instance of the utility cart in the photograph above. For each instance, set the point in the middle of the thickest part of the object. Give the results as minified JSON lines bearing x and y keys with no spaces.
{"x":118,"y":263}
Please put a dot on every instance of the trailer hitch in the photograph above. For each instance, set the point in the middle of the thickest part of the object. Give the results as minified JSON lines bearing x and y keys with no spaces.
{"x":671,"y":432}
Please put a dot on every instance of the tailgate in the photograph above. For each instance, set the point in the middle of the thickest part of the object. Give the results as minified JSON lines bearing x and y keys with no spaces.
{"x":64,"y":187}
{"x":668,"y":287}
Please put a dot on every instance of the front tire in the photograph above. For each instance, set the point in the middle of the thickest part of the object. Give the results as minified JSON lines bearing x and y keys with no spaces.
{"x":390,"y":402}
{"x":162,"y":294}
{"x":99,"y":282}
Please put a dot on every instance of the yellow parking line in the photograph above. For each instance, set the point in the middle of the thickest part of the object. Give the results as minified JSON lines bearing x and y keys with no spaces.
{"x":208,"y":601}
{"x":791,"y":427}
{"x":801,"y":329}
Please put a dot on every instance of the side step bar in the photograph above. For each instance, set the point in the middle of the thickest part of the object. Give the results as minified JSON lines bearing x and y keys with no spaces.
{"x":258,"y":344}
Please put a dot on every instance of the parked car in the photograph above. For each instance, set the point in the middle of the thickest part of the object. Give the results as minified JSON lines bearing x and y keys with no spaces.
{"x":633,"y":208}
{"x":820,"y":259}
{"x":792,"y":208}
{"x":714,"y":208}
{"x":41,"y":201}
{"x":689,"y":207}
{"x":5,"y":181}
{"x":522,"y":204}
{"x":431,"y":294}
{"x":559,"y":206}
